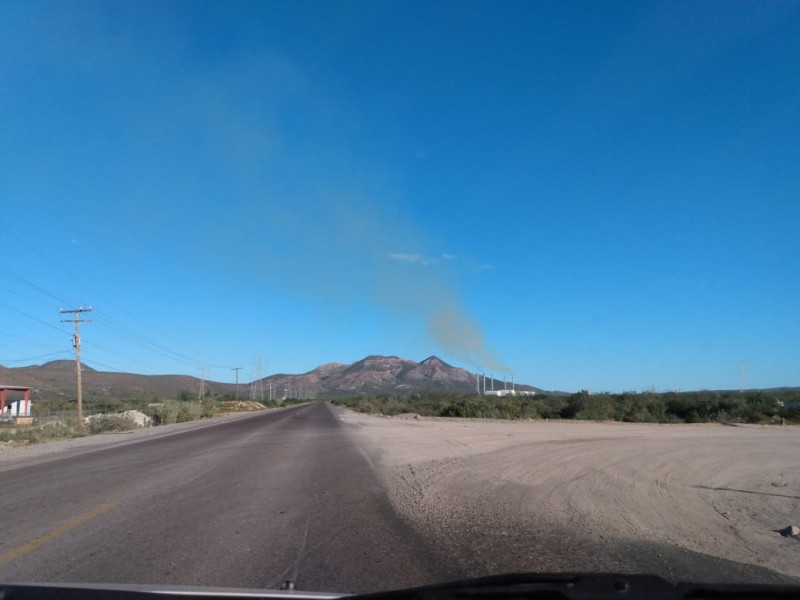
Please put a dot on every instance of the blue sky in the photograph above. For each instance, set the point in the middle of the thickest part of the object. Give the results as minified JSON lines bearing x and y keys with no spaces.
{"x":589,"y":195}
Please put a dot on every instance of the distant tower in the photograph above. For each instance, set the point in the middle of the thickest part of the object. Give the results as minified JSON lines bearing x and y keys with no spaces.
{"x":742,"y":377}
{"x":202,"y":392}
{"x":257,"y":385}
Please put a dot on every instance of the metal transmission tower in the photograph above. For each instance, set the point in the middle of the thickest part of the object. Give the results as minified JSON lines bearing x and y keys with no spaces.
{"x":202,"y":392}
{"x":257,"y":385}
{"x":76,"y":342}
{"x":237,"y":369}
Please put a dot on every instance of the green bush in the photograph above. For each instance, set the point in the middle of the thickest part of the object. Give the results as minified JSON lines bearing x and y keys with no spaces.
{"x":58,"y":429}
{"x":189,"y":411}
{"x":208,"y":408}
{"x":366,"y":406}
{"x":165,"y":413}
{"x":645,"y":407}
{"x":179,"y":411}
{"x":106,"y":423}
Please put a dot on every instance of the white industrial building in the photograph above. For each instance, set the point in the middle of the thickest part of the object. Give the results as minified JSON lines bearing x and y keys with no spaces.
{"x":511,"y":392}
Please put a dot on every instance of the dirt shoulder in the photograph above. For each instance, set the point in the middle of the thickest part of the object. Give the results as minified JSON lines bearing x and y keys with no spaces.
{"x":688,"y":502}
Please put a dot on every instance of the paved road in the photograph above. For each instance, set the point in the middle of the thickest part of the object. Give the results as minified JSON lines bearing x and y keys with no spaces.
{"x":247,"y":503}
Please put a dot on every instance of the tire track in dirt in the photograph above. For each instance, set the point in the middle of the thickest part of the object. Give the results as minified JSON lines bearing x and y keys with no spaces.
{"x":681,"y":501}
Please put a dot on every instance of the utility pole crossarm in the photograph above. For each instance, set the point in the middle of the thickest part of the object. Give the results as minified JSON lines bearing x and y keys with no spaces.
{"x":76,"y":342}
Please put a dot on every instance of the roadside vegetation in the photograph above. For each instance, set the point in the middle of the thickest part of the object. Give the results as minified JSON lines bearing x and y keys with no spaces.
{"x":55,"y":420}
{"x":637,"y":407}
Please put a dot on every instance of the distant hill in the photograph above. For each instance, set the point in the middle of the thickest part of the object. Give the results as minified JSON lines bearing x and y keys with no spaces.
{"x":55,"y":380}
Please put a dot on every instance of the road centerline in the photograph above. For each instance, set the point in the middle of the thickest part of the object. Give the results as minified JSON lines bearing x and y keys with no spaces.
{"x":63,"y":528}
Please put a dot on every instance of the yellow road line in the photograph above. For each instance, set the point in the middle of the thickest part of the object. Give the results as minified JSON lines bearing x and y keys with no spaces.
{"x":66,"y":526}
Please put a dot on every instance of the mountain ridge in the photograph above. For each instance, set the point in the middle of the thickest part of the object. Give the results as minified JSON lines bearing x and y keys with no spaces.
{"x":373,"y":374}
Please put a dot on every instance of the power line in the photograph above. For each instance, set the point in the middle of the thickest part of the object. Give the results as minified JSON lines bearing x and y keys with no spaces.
{"x":125,"y":362}
{"x":31,"y":317}
{"x":149,"y":344}
{"x":8,"y":334}
{"x":35,"y":250}
{"x":19,"y":280}
{"x":38,"y":357}
{"x":145,"y":342}
{"x":101,"y":318}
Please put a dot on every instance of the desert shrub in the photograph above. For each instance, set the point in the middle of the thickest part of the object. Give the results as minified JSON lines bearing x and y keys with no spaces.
{"x":106,"y":423}
{"x":58,"y":429}
{"x":7,"y":434}
{"x":644,"y":407}
{"x":365,"y":406}
{"x":164,"y":413}
{"x":595,"y":408}
{"x":107,"y":405}
{"x":549,"y":407}
{"x":189,"y":411}
{"x":208,"y":408}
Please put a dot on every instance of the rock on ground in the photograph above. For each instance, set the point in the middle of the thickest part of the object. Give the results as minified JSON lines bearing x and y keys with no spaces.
{"x":138,"y":417}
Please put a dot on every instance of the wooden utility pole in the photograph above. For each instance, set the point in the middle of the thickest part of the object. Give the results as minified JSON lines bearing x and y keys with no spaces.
{"x":237,"y":369}
{"x":76,"y":342}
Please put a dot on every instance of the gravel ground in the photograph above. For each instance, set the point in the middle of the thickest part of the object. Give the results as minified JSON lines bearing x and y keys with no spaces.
{"x":687,"y":502}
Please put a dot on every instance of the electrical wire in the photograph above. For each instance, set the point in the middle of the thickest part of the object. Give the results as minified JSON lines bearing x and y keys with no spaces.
{"x":100,"y":317}
{"x":31,"y":317}
{"x":38,"y":357}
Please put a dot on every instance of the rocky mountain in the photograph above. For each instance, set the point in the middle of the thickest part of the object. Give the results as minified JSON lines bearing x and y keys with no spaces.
{"x":371,"y":375}
{"x":378,"y":375}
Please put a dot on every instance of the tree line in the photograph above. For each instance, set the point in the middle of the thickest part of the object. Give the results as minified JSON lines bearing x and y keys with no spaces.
{"x":771,"y":406}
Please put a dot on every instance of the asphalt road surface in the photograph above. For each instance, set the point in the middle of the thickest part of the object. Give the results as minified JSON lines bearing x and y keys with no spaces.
{"x":247,"y":503}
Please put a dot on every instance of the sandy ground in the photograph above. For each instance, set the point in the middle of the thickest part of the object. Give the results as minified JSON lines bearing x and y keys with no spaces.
{"x":688,"y":502}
